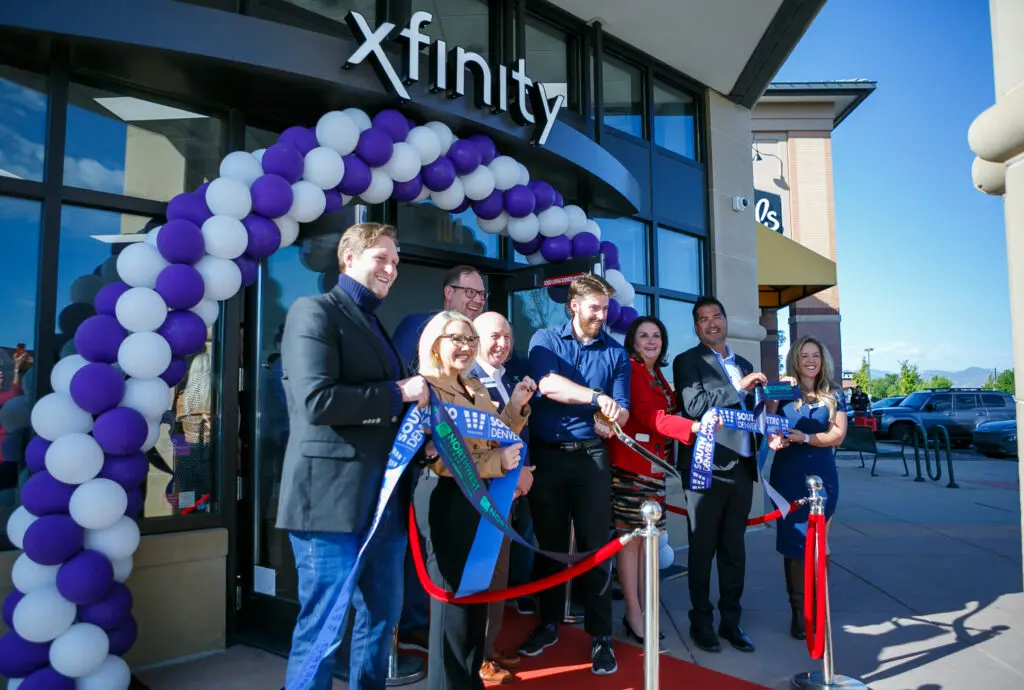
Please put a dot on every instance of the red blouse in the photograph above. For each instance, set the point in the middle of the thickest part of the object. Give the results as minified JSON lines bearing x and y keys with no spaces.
{"x":652,"y":421}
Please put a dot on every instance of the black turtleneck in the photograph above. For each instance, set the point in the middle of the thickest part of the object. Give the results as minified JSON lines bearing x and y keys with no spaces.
{"x":368,"y":303}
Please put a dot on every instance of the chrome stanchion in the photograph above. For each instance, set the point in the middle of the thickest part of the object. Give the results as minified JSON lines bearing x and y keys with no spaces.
{"x":568,"y":616}
{"x":404,"y":669}
{"x":826,"y":679}
{"x":650,"y":511}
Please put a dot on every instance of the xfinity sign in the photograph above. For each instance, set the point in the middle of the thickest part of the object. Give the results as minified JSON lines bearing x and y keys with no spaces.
{"x":505,"y":89}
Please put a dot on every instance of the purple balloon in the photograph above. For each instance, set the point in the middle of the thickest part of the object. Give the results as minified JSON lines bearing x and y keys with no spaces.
{"x":9,"y":604}
{"x":201,"y":189}
{"x":463,"y":207}
{"x":614,"y":266}
{"x":558,"y":199}
{"x":121,"y":431}
{"x":53,"y":539}
{"x":491,"y":206}
{"x":43,"y":495}
{"x":488,"y":151}
{"x":181,"y":286}
{"x":531,"y":247}
{"x":271,"y":196}
{"x":97,"y":388}
{"x":250,"y":271}
{"x":98,"y":339}
{"x":190,"y":207}
{"x":185,"y":332}
{"x":407,"y":191}
{"x":610,"y":251}
{"x":264,"y":236}
{"x":35,"y":454}
{"x":181,"y":242}
{"x":465,"y":156}
{"x":86,"y":579}
{"x":285,"y":161}
{"x":585,"y":244}
{"x":559,"y":293}
{"x":19,"y":657}
{"x":544,"y":193}
{"x":614,"y":309}
{"x":299,"y":138}
{"x":375,"y":147}
{"x":519,"y":201}
{"x":175,"y":372}
{"x":357,"y":176}
{"x":123,"y":636}
{"x":106,"y":298}
{"x":111,"y":611}
{"x":412,"y":122}
{"x":439,"y":175}
{"x":333,"y":200}
{"x":47,"y":679}
{"x":556,"y":248}
{"x":393,"y":123}
{"x":627,"y":315}
{"x":127,"y":470}
{"x":134,"y":507}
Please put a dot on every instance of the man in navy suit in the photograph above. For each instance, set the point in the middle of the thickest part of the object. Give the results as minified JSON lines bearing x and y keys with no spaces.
{"x":492,"y":370}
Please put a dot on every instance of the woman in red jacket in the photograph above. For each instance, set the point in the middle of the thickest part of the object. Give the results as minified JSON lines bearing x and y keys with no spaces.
{"x":652,"y":422}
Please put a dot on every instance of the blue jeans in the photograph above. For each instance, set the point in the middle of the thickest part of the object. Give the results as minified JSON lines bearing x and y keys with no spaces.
{"x":415,"y":603}
{"x":323,"y":561}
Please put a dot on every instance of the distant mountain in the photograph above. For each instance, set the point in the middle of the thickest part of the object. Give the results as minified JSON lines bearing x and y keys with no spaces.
{"x":972,"y":377}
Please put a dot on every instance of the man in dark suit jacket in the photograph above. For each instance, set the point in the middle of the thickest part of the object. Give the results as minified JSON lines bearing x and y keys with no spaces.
{"x":706,"y":376}
{"x":346,"y":390}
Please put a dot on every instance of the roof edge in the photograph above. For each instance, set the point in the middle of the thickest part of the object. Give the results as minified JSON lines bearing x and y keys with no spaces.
{"x":859,"y":88}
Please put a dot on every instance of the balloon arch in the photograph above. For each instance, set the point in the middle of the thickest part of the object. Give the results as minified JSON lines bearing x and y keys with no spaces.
{"x":70,"y":613}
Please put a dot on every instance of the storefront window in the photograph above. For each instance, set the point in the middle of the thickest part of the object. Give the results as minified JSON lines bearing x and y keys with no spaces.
{"x":183,"y":474}
{"x":675,"y":118}
{"x":547,"y":60}
{"x":623,"y":96}
{"x":337,"y":9}
{"x":680,"y":261}
{"x":678,"y":319}
{"x":22,"y":124}
{"x":127,"y":145}
{"x":460,"y":23}
{"x":630,"y":237}
{"x":428,"y":225}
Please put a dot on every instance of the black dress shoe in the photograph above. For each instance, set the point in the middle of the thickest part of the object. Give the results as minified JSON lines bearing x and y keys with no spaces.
{"x":633,"y":635}
{"x":737,"y":638}
{"x":705,"y":639}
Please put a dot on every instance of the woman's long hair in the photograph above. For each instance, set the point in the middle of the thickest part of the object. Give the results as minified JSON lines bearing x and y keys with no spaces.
{"x":824,"y":382}
{"x":430,"y":361}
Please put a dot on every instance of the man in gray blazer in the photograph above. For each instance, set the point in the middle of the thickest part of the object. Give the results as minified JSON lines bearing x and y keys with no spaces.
{"x":706,"y":376}
{"x":346,"y":390}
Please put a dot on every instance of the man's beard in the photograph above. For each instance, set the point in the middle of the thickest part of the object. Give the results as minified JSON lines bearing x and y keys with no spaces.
{"x":591,"y":328}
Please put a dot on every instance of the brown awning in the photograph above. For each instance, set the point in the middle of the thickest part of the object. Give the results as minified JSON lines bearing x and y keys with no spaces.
{"x":787,"y":271}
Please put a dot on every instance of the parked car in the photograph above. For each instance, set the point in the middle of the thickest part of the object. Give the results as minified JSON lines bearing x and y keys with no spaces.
{"x":960,"y":410}
{"x":997,"y":439}
{"x":887,"y":402}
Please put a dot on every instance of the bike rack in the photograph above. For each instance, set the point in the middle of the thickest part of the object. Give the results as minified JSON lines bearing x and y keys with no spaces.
{"x":940,"y":434}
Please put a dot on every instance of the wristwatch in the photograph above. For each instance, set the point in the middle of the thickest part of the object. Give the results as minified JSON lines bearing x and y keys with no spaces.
{"x":594,"y":397}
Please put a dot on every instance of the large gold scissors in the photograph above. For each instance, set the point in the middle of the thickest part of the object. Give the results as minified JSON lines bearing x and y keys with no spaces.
{"x":635,"y":446}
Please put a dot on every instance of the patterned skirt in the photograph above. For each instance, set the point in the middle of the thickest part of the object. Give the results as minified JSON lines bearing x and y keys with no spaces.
{"x":629,"y":491}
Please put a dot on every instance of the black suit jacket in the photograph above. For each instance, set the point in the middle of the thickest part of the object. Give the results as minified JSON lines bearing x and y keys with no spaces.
{"x":701,"y":384}
{"x":336,"y":380}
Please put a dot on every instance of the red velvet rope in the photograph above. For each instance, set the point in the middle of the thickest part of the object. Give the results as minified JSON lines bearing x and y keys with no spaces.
{"x":767,"y":517}
{"x":814,"y":586}
{"x":602,"y":554}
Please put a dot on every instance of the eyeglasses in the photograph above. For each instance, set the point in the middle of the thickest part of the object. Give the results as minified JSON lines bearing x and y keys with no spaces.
{"x":462,"y":340}
{"x":471,"y":293}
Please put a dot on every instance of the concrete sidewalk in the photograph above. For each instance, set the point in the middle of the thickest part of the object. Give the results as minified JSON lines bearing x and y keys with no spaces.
{"x":926,"y":589}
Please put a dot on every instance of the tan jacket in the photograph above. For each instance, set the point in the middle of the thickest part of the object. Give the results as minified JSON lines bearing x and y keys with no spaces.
{"x":487,"y":454}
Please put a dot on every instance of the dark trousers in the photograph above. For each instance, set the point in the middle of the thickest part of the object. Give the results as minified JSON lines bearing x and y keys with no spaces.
{"x":520,"y":569}
{"x":576,"y":487}
{"x":717,"y":525}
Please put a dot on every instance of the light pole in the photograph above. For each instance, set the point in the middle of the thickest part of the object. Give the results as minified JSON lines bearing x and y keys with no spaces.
{"x":869,"y":350}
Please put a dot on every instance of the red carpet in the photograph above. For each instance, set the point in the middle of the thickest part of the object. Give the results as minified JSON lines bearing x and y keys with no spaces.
{"x":566,"y":666}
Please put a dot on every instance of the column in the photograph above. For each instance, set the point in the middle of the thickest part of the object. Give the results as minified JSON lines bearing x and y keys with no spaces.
{"x":770,"y":344}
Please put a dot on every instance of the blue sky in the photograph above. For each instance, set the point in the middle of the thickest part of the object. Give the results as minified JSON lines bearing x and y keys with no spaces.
{"x":921,"y":253}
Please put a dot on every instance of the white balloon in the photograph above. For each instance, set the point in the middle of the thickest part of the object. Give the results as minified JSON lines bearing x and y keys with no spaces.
{"x":43,"y":615}
{"x":593,"y":228}
{"x":404,"y":163}
{"x":74,"y":459}
{"x":479,"y":184}
{"x":666,"y":556}
{"x":258,"y":155}
{"x":506,"y":172}
{"x":113,"y":674}
{"x":225,"y":237}
{"x":144,"y":355}
{"x":98,"y":503}
{"x":123,"y":568}
{"x":150,"y":397}
{"x":493,"y":226}
{"x":450,"y":199}
{"x":139,"y":264}
{"x":85,"y":288}
{"x":624,"y":291}
{"x":422,"y":196}
{"x":323,"y":167}
{"x":64,"y":371}
{"x":337,"y":130}
{"x":14,"y":683}
{"x":289,"y":228}
{"x":577,"y":220}
{"x":380,"y":189}
{"x":28,"y":576}
{"x":536,"y":259}
{"x":524,"y":174}
{"x":426,"y":142}
{"x":152,"y":235}
{"x":152,"y":437}
{"x":116,"y":542}
{"x":141,"y":309}
{"x":16,"y":413}
{"x":79,"y":651}
{"x":308,"y":202}
{"x":222,"y":279}
{"x":444,"y":135}
{"x":523,"y":229}
{"x":241,"y":166}
{"x":208,"y":310}
{"x":56,"y":415}
{"x":345,"y":198}
{"x":227,"y":197}
{"x":18,"y":524}
{"x":553,"y":222}
{"x":362,"y":120}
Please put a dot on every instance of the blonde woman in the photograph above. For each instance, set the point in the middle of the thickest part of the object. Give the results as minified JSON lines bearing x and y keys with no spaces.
{"x":447,"y":352}
{"x":817,"y":420}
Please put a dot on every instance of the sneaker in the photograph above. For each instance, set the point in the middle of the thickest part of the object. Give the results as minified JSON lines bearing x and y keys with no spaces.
{"x":602,"y":657}
{"x":414,"y":639}
{"x":542,"y":637}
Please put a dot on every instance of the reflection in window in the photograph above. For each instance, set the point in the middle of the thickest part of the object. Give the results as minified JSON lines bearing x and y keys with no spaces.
{"x":623,"y":97}
{"x":675,"y":117}
{"x":182,"y":475}
{"x":22,"y":124}
{"x":678,"y":319}
{"x":533,"y":310}
{"x":428,"y":225}
{"x":630,"y":237}
{"x":680,"y":262}
{"x":126,"y":145}
{"x":337,"y":9}
{"x":460,"y":23}
{"x":19,"y":277}
{"x":547,"y":59}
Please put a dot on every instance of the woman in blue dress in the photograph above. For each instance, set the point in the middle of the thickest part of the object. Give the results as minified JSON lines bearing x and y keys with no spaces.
{"x":817,"y":423}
